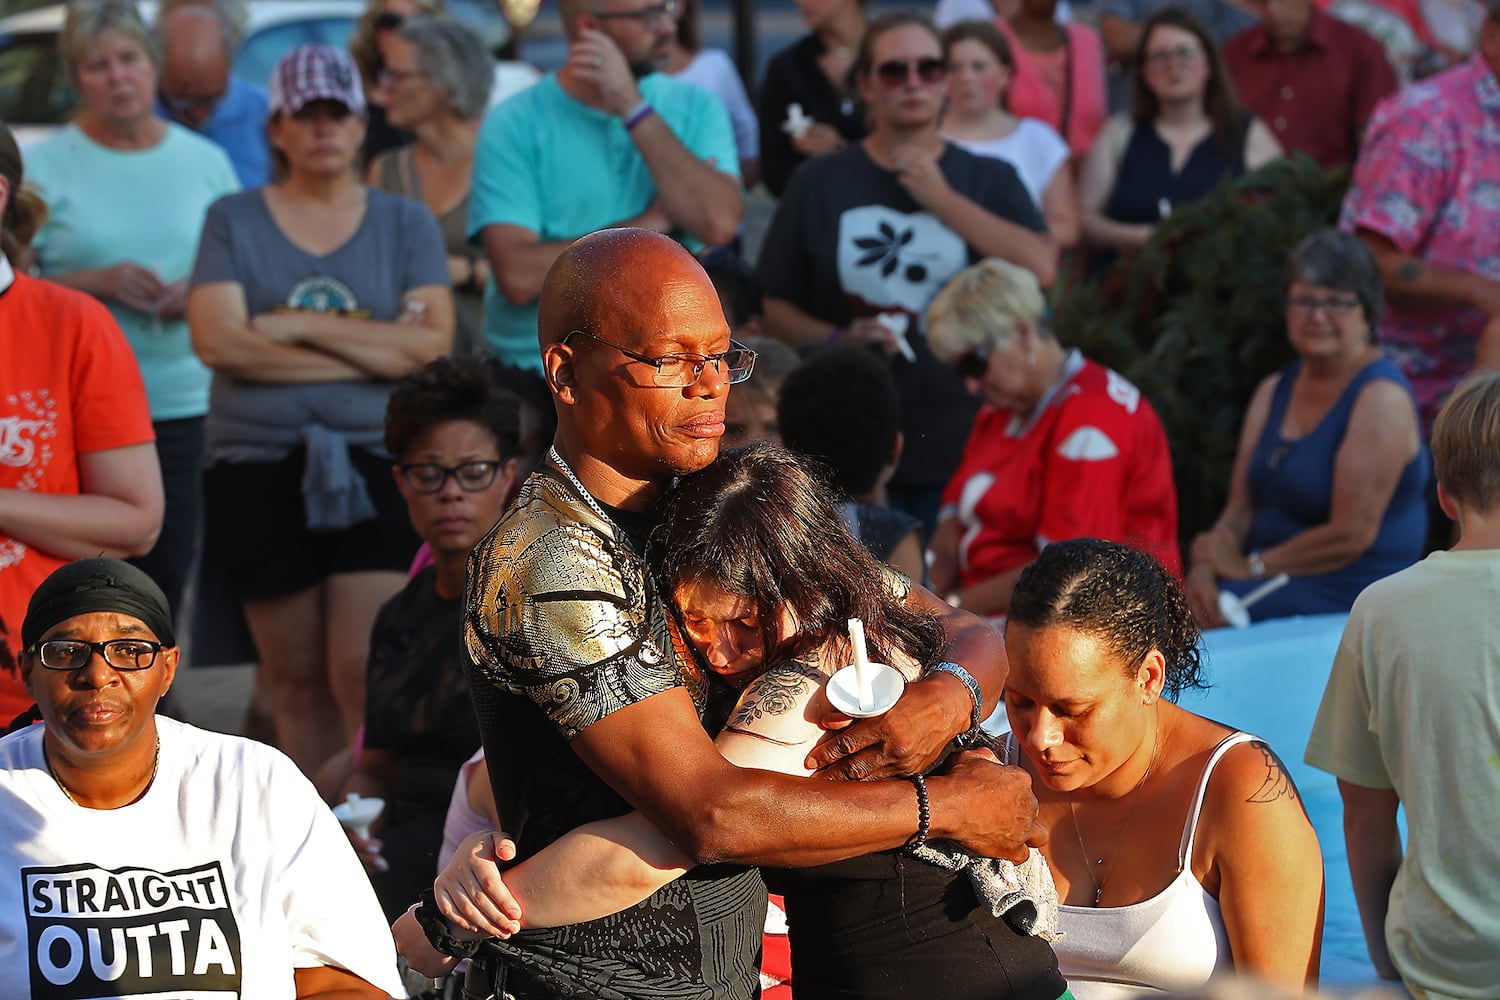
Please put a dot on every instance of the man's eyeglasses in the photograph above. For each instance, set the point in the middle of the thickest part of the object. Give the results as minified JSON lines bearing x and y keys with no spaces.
{"x":677,"y":371}
{"x":429,"y":477}
{"x":182,"y":107}
{"x":895,"y":72}
{"x":72,"y":654}
{"x":651,"y":17}
{"x":973,"y":363}
{"x":1179,"y":54}
{"x":1337,"y":308}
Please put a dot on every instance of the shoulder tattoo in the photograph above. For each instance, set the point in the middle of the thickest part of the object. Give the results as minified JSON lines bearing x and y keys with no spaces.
{"x":1277,"y":783}
{"x":776,"y":692}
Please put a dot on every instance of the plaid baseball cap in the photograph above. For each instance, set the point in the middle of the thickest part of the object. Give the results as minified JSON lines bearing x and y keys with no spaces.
{"x":315,"y":72}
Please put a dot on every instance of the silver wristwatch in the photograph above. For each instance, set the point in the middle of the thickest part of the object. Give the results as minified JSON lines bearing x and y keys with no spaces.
{"x":977,"y":715}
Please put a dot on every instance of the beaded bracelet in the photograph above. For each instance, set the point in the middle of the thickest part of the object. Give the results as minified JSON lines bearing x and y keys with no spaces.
{"x":924,"y":812}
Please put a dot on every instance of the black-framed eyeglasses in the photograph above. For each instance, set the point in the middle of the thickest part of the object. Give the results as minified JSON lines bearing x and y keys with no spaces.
{"x":650,"y":16}
{"x":72,"y":654}
{"x":895,"y":72}
{"x":429,"y":477}
{"x":973,"y":363}
{"x":677,"y":371}
{"x":1336,"y":307}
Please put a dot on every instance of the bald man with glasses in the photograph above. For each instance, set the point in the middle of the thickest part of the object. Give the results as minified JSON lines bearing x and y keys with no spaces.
{"x":607,"y":140}
{"x":590,"y":705}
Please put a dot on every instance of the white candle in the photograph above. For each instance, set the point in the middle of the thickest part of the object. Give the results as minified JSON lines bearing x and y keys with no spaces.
{"x":861,"y":662}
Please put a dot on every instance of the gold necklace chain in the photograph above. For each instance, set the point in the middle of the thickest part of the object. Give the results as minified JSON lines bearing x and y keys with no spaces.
{"x":1088,"y":864}
{"x":47,"y":759}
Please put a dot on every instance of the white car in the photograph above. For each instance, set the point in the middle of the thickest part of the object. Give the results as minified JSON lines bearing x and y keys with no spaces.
{"x":36,"y":95}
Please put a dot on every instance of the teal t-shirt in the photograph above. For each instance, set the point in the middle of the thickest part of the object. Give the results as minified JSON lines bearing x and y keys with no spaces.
{"x":562,"y":169}
{"x":142,"y":206}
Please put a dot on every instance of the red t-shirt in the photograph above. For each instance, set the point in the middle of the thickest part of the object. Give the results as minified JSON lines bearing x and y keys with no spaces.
{"x":69,"y":384}
{"x":1092,"y":463}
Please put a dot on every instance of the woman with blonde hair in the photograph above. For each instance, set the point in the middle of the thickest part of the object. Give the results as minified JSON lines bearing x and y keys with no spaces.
{"x":1062,"y":447}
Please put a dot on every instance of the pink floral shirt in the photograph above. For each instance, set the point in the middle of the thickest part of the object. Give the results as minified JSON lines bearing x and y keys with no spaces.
{"x":1428,"y":179}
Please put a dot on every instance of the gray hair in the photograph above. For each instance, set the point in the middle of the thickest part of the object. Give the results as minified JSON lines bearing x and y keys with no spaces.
{"x":455,"y":59}
{"x":88,"y":19}
{"x":1333,"y":258}
{"x":981,"y":306}
{"x":231,"y":15}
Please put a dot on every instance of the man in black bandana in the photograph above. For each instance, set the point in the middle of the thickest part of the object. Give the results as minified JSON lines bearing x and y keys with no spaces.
{"x":211,"y":855}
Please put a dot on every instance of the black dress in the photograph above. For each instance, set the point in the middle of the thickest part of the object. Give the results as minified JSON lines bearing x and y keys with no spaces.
{"x":887,"y":926}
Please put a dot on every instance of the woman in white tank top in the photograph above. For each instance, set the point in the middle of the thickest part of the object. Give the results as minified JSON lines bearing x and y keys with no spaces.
{"x":1179,"y":846}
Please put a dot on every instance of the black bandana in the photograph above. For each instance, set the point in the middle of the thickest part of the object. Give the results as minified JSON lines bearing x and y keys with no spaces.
{"x":90,"y":585}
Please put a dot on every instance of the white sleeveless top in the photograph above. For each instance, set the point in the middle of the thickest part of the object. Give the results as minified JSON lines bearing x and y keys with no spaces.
{"x":1173,"y":941}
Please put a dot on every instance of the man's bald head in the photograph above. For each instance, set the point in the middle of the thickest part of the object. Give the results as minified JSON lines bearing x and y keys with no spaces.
{"x":612,"y":282}
{"x":197,"y":50}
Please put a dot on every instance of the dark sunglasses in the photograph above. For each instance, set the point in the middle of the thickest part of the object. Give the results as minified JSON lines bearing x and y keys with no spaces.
{"x":973,"y":364}
{"x":895,"y":72}
{"x":388,"y":22}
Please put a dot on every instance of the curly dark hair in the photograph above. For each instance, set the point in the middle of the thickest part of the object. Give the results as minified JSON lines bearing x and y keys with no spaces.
{"x":760,"y":524}
{"x":1119,"y":595}
{"x":447,"y":389}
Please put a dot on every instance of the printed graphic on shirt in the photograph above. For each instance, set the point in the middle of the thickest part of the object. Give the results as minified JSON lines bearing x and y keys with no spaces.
{"x":889,"y":259}
{"x":322,"y":294}
{"x":131,"y":934}
{"x":28,"y":424}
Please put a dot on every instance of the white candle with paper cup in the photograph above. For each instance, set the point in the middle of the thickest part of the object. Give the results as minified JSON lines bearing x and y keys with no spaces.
{"x":863,"y":689}
{"x":357,"y":813}
{"x":1236,"y":610}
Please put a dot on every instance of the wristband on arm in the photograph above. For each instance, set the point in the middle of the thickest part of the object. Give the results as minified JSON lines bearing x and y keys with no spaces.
{"x":976,"y":715}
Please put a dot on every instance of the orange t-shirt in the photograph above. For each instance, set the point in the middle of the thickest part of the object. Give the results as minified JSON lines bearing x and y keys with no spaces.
{"x":69,"y":384}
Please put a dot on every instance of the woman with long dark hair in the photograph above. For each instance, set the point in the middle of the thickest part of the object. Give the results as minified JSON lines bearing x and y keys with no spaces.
{"x":765,"y":577}
{"x":1185,"y":132}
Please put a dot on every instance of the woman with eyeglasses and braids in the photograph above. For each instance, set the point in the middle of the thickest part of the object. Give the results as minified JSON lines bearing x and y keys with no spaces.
{"x":1062,"y":447}
{"x":864,"y":238}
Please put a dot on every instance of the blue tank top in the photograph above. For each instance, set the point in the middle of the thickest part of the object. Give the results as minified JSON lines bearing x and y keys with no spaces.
{"x":1145,"y":178}
{"x":1291,"y":490}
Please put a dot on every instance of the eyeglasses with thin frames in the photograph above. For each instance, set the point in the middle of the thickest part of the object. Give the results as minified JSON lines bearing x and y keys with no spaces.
{"x":1337,"y":308}
{"x":388,"y":76}
{"x":429,"y":477}
{"x":650,"y":17}
{"x":678,"y":371}
{"x":1177,"y":54}
{"x":73,"y":654}
{"x":895,"y":72}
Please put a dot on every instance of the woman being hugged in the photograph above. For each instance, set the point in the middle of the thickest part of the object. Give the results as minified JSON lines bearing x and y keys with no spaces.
{"x":1180,"y":847}
{"x":1331,"y":474}
{"x":1185,"y":132}
{"x":310,"y":297}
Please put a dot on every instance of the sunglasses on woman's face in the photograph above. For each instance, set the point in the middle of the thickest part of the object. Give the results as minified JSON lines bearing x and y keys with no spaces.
{"x":895,"y":72}
{"x":973,"y":364}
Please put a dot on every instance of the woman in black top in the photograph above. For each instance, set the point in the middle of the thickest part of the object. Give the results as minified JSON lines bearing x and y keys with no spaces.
{"x":815,"y":72}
